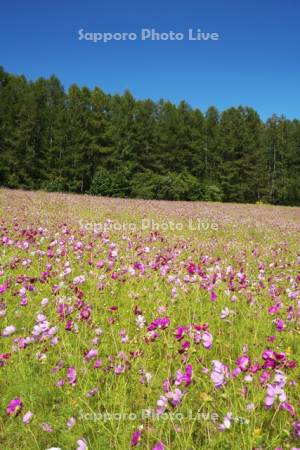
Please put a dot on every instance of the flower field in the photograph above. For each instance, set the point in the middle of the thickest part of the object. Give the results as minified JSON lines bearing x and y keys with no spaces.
{"x":144,"y":324}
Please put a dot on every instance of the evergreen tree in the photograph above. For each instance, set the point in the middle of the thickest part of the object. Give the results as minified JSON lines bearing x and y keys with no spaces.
{"x":84,"y":140}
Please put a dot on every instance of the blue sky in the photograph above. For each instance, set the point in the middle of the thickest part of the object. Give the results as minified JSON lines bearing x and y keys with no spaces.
{"x":256,"y":62}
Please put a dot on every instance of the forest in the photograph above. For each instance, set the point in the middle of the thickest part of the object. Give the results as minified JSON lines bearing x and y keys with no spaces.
{"x":87,"y":141}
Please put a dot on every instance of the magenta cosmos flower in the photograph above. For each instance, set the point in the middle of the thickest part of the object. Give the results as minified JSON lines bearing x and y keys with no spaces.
{"x":14,"y":407}
{"x":185,"y":377}
{"x":279,"y":325}
{"x":135,"y":438}
{"x":243,"y":363}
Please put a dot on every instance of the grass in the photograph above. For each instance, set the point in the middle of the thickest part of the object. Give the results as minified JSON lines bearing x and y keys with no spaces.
{"x":146,"y":273}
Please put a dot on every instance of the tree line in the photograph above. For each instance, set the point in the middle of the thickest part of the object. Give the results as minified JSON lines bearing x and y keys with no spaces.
{"x":84,"y":140}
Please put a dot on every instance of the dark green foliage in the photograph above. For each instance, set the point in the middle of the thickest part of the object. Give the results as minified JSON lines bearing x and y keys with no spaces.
{"x":102,"y":183}
{"x":84,"y":140}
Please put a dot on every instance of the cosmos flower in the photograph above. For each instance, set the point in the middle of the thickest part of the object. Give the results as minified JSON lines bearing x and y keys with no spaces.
{"x":140,"y":321}
{"x":8,"y":331}
{"x":213,"y":296}
{"x":14,"y":407}
{"x":158,"y":446}
{"x":162,"y":404}
{"x":27,"y":417}
{"x":135,"y":438}
{"x":71,"y":422}
{"x":159,"y":323}
{"x":288,"y":407}
{"x":79,"y":280}
{"x":98,"y":363}
{"x":296,"y":426}
{"x":225,"y":313}
{"x":185,"y":346}
{"x":243,"y":363}
{"x":92,"y":353}
{"x":185,"y":377}
{"x":72,"y":376}
{"x":226,"y":422}
{"x":279,"y":325}
{"x":179,"y":333}
{"x":175,"y":396}
{"x":3,"y":287}
{"x":219,"y":373}
{"x":274,"y":391}
{"x":207,"y":339}
{"x":119,"y":369}
{"x":82,"y":444}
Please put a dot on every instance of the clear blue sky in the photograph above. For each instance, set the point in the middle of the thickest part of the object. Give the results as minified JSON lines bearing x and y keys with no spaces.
{"x":256,"y":62}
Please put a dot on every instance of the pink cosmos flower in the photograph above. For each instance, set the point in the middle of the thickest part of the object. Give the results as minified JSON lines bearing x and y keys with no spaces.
{"x":79,"y":280}
{"x":224,"y":313}
{"x":8,"y":331}
{"x":72,"y":376}
{"x":159,"y":446}
{"x":119,"y":369}
{"x":236,"y":371}
{"x":82,"y":444}
{"x":162,"y":404}
{"x":219,"y":374}
{"x":27,"y":417}
{"x":14,"y":407}
{"x":207,"y":339}
{"x":175,"y":396}
{"x":124,"y":337}
{"x":226,"y":422}
{"x":274,"y":391}
{"x":71,"y":422}
{"x":91,"y":354}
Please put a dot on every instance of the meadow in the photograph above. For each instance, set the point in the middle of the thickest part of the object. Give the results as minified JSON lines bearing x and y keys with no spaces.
{"x":148,"y":324}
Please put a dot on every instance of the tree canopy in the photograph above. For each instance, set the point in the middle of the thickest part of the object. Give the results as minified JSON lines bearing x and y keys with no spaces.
{"x":87,"y":141}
